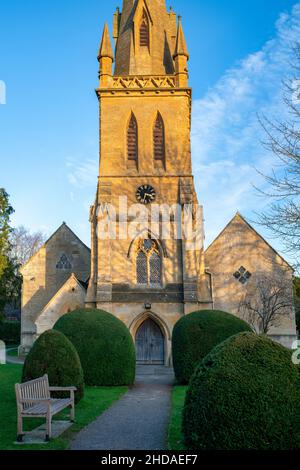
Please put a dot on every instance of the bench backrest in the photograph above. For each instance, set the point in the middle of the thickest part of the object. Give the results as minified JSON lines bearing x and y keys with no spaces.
{"x":34,"y":389}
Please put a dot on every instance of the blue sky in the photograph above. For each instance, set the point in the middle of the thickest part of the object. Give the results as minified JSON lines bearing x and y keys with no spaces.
{"x":49,"y":126}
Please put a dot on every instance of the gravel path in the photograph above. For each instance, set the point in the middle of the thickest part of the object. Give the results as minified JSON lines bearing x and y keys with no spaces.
{"x":13,"y":359}
{"x":138,"y":421}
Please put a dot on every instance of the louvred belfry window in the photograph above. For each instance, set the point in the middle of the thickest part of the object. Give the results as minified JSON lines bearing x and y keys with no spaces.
{"x":144,"y":31}
{"x":159,"y":139}
{"x":132,"y":139}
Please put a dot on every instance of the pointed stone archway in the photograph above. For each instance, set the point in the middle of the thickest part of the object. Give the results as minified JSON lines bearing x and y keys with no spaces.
{"x":152,"y":339}
{"x":150,"y":344}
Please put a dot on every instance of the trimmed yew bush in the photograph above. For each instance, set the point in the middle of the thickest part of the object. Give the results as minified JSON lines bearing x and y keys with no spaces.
{"x":196,"y":334}
{"x":55,"y":355}
{"x":104,"y":345}
{"x":245,"y":394}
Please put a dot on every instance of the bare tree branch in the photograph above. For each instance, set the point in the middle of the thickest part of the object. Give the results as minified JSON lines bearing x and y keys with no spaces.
{"x":282,"y":218}
{"x":268,"y":298}
{"x":25,"y":244}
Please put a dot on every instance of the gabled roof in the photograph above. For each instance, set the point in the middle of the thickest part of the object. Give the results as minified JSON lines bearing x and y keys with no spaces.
{"x":239,"y":216}
{"x":68,"y":281}
{"x":63,"y":225}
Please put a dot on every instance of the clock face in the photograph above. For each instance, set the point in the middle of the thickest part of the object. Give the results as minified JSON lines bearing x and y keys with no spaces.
{"x":145,"y":194}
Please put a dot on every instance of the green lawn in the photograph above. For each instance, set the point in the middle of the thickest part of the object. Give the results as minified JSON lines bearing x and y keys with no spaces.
{"x":95,"y":401}
{"x":175,"y":438}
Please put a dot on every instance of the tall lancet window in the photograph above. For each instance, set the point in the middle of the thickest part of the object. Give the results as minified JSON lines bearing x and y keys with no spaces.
{"x":132,"y":139}
{"x":159,"y":139}
{"x":148,"y":263}
{"x":144,"y":31}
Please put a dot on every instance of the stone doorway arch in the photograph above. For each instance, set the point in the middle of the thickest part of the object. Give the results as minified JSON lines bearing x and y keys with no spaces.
{"x":152,"y":338}
{"x":150,"y":344}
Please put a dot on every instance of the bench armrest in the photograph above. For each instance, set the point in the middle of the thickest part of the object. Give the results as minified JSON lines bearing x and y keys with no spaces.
{"x":62,"y":389}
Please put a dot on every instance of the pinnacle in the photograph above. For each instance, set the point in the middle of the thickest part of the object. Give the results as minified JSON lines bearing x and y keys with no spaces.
{"x":181,"y":47}
{"x":106,"y":47}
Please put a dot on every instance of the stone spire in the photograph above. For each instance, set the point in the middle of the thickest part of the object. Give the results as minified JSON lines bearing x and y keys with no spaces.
{"x":132,"y":56}
{"x":105,"y":58}
{"x":181,"y":57}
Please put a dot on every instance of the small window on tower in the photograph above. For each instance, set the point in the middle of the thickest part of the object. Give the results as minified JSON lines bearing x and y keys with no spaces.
{"x":159,"y":139}
{"x":144,"y":31}
{"x":132,"y":139}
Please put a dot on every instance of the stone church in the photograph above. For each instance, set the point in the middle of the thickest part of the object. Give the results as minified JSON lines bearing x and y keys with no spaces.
{"x":148,"y":281}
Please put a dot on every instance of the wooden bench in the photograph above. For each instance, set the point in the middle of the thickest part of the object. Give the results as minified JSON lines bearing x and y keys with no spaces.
{"x":34,"y":401}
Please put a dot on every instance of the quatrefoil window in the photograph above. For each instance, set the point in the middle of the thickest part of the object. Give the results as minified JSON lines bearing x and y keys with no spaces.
{"x":242,"y":275}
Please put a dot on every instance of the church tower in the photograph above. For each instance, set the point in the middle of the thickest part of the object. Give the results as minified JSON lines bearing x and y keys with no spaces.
{"x":145,"y":278}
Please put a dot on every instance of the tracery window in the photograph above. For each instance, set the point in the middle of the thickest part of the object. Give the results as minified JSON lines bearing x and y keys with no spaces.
{"x":148,"y":263}
{"x":64,"y":263}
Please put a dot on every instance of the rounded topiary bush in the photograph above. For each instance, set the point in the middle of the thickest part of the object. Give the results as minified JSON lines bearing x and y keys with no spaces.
{"x":55,"y":355}
{"x":104,"y":345}
{"x":196,"y":334}
{"x":245,"y":394}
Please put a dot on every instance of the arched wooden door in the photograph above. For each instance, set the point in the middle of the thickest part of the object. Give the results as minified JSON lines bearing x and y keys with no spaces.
{"x":150,"y":344}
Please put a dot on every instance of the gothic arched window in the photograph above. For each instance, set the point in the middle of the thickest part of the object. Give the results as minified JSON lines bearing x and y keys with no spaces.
{"x":159,"y":139}
{"x":132,"y":139}
{"x":144,"y":31}
{"x":148,"y":263}
{"x":64,"y":263}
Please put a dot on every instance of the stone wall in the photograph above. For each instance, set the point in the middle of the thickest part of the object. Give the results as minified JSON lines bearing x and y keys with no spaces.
{"x":42,"y":280}
{"x":70,"y":297}
{"x":239,"y":245}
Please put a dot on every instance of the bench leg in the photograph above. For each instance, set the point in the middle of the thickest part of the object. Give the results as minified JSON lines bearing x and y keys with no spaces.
{"x":72,"y":413}
{"x":48,"y":428}
{"x":20,"y":429}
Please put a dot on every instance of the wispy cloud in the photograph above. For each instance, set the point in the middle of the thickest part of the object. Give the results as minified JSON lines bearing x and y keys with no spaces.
{"x":226,"y":135}
{"x":84,"y":173}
